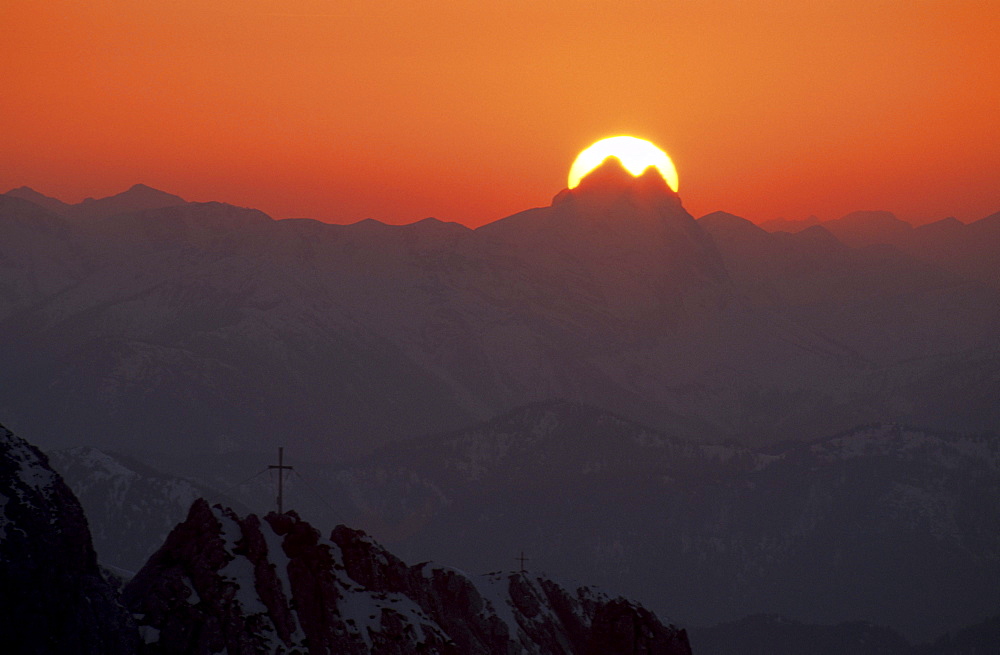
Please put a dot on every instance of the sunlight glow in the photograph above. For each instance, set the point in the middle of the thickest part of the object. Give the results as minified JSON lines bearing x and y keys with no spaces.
{"x":635,"y":154}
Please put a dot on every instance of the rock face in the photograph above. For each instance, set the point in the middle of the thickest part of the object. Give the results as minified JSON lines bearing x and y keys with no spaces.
{"x":53,"y":598}
{"x":131,"y":507}
{"x":242,"y":585}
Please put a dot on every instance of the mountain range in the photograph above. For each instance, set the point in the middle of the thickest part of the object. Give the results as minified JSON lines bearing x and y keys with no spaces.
{"x":887,"y":523}
{"x":208,"y":326}
{"x":718,"y":419}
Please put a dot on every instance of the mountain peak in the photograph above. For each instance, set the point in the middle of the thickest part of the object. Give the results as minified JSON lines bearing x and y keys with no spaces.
{"x":611,"y":175}
{"x":138,"y":197}
{"x":723,"y":225}
{"x":53,"y":205}
{"x":144,"y":192}
{"x":651,"y":180}
{"x":865,"y":228}
{"x":725,"y":218}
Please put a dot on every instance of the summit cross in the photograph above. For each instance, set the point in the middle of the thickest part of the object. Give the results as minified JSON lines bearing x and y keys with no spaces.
{"x":522,"y":559}
{"x":281,"y":468}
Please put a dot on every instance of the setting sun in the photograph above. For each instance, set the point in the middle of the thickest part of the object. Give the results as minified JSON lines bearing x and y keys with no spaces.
{"x":635,"y":154}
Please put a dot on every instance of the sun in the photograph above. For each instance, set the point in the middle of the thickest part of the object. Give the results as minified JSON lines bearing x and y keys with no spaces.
{"x":635,"y":154}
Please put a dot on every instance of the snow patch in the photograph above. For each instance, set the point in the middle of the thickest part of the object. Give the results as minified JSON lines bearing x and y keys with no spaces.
{"x":276,"y":555}
{"x":362,"y":613}
{"x":239,"y":570}
{"x":193,"y":598}
{"x":149,"y":634}
{"x":495,"y":590}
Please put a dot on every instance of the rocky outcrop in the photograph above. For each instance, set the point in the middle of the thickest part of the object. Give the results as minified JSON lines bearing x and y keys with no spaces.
{"x":242,"y":585}
{"x":131,"y":507}
{"x":53,"y":598}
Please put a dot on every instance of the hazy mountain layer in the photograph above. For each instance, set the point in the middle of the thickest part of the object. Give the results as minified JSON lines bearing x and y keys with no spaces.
{"x":774,"y":635}
{"x":883,"y":523}
{"x":969,"y":250}
{"x":178,"y":326}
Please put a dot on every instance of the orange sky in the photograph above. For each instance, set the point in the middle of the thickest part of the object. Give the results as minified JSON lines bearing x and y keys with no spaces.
{"x":342,"y":109}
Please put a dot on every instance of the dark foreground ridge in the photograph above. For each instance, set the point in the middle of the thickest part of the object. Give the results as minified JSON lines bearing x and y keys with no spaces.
{"x":242,"y":585}
{"x":53,"y":598}
{"x":224,"y":583}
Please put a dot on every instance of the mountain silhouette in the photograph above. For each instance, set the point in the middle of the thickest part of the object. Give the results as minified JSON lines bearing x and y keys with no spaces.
{"x":53,"y":205}
{"x":624,"y":240}
{"x":139,"y":197}
{"x":216,"y":326}
{"x":865,"y":228}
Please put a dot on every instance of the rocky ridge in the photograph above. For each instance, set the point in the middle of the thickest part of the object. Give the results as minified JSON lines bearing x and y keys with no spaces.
{"x":131,"y":507}
{"x":226,"y":582}
{"x":53,"y":597}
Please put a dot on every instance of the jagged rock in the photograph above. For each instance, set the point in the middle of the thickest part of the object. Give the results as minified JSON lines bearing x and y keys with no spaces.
{"x":53,"y":598}
{"x":131,"y":507}
{"x":222,"y":582}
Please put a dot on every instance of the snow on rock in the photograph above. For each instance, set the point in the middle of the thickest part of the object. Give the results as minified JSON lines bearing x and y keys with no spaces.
{"x":222,"y":582}
{"x":130,"y":507}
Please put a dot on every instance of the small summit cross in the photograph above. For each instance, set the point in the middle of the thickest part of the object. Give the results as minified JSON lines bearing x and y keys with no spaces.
{"x":281,"y":478}
{"x":522,"y":559}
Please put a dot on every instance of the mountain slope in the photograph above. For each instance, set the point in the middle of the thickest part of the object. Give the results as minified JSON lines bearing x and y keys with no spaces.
{"x":773,"y":635}
{"x":966,"y":250}
{"x":53,"y":205}
{"x":138,"y":197}
{"x":225,"y":582}
{"x":883,"y":523}
{"x":130,"y":507}
{"x":53,"y":598}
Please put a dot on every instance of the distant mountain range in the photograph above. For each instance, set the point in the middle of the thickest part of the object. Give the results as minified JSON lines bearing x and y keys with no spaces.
{"x":774,"y":635}
{"x":966,"y":250}
{"x":884,"y":523}
{"x":148,"y":323}
{"x":137,"y":198}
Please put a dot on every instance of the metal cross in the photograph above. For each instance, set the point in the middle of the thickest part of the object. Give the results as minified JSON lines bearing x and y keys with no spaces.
{"x":281,"y":478}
